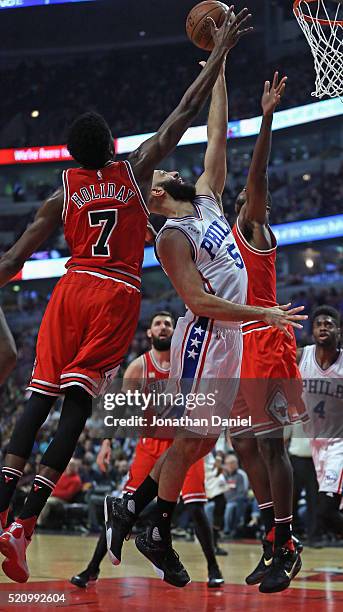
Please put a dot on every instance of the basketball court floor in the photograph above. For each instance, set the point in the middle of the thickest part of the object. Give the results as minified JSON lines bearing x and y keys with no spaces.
{"x":53,"y":559}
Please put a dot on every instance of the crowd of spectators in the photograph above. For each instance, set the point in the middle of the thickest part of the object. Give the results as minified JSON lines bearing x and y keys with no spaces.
{"x":112,"y":82}
{"x":305,"y":196}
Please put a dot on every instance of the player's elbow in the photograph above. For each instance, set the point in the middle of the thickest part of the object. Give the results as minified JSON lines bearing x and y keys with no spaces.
{"x":9,"y":261}
{"x":198,"y":304}
{"x":191,"y":106}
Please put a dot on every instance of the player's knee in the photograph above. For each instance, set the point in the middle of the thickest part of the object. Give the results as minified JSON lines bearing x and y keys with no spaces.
{"x":272,"y":449}
{"x":186,"y":449}
{"x":78,"y":401}
{"x":246,"y":448}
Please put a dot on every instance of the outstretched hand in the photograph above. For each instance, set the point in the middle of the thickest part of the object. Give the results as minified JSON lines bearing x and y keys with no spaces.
{"x":272,"y":94}
{"x":284,"y":317}
{"x":228,"y":35}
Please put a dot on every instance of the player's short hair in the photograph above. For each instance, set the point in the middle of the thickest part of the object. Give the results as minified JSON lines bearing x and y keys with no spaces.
{"x":162,"y":313}
{"x":329,"y":311}
{"x":90,"y":141}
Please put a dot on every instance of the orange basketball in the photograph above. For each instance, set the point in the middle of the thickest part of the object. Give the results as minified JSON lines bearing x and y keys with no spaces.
{"x":198,"y":29}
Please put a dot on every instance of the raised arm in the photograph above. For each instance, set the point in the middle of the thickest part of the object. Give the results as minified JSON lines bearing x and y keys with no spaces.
{"x":255,"y":208}
{"x":47,"y":219}
{"x":173,"y":247}
{"x":213,"y":179}
{"x":150,"y":154}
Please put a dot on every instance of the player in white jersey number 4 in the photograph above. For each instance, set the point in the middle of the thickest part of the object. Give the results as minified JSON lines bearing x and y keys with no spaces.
{"x":200,"y":256}
{"x":321,"y":366}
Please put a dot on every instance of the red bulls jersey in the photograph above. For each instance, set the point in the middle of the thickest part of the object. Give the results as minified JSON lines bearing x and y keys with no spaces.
{"x":261,"y":270}
{"x":152,"y":373}
{"x":105,"y":220}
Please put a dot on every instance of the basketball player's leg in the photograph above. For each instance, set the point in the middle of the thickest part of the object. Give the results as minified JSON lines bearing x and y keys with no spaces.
{"x":156,"y":544}
{"x":245,"y":444}
{"x":330,"y":476}
{"x":276,"y":458}
{"x":286,"y":562}
{"x":91,"y":573}
{"x":204,"y":534}
{"x":20,"y":447}
{"x":194,"y":497}
{"x":121,"y":515}
{"x":142,"y":490}
{"x":13,"y":542}
{"x":254,"y":464}
{"x":8,"y":351}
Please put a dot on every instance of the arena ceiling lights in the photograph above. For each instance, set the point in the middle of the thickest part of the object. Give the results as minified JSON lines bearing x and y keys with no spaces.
{"x":299,"y":115}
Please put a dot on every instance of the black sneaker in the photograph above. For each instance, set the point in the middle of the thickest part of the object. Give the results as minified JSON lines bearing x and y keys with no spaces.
{"x":215,"y":578}
{"x":298,"y":545}
{"x":263,"y":565}
{"x":265,"y":562}
{"x":81,"y":580}
{"x":118,"y":522}
{"x":286,"y":564}
{"x":164,"y":558}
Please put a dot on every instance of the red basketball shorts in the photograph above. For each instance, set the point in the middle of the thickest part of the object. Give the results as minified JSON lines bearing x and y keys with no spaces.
{"x":148,"y":450}
{"x":271,"y":387}
{"x":85,"y":333}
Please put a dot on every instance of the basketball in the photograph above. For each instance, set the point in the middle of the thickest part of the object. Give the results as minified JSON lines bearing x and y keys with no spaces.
{"x":197,"y":27}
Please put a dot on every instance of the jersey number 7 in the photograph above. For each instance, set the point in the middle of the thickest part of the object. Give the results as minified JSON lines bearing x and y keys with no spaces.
{"x":107,"y":220}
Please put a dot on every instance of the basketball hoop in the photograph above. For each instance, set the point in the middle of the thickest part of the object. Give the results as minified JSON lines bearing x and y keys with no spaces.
{"x":322,"y":23}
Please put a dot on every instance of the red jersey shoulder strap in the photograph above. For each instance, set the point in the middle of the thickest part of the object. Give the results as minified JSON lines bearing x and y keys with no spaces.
{"x":136,"y":186}
{"x":243,"y":243}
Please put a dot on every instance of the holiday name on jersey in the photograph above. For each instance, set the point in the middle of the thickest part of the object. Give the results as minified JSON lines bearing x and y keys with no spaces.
{"x":102,"y":191}
{"x":214,"y":238}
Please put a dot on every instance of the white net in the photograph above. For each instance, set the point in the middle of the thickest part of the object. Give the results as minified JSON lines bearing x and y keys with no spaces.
{"x":322,"y":23}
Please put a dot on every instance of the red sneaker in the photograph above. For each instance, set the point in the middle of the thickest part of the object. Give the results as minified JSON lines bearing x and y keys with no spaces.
{"x":13,"y":545}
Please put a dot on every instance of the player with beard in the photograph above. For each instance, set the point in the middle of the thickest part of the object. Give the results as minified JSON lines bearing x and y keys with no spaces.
{"x":149,"y":369}
{"x":93,"y":312}
{"x":321,"y":366}
{"x":8,"y":352}
{"x":201,"y":257}
{"x":270,"y":386}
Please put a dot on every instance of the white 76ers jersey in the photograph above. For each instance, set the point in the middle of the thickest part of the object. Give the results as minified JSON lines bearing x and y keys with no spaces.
{"x":323,"y":394}
{"x":215,"y":252}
